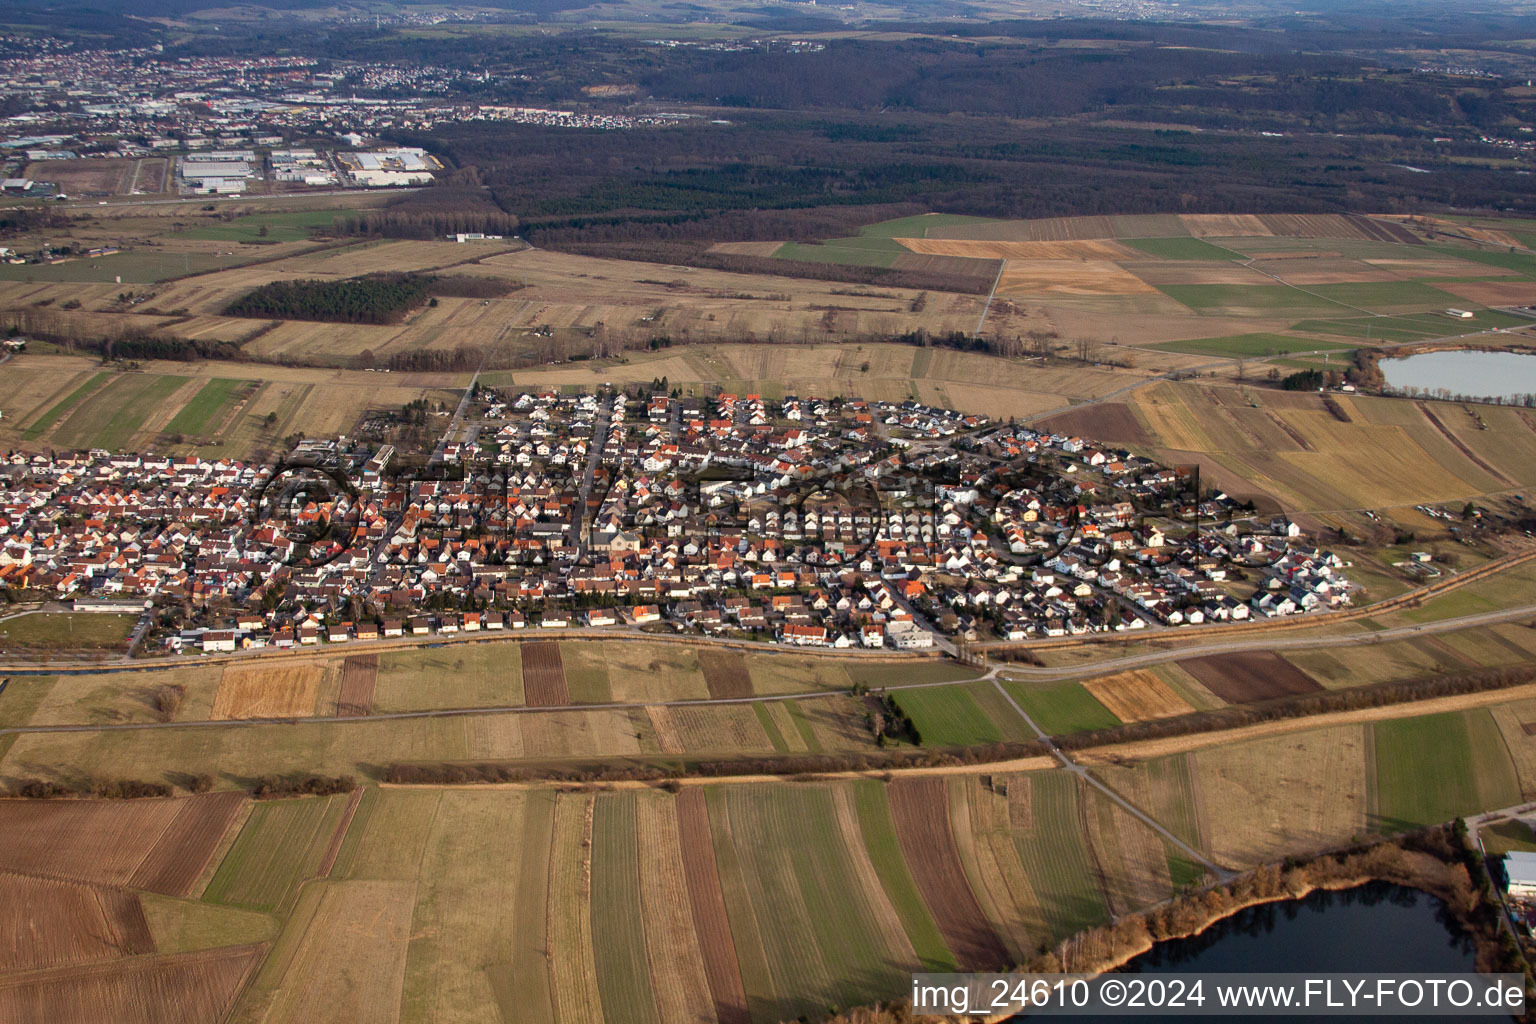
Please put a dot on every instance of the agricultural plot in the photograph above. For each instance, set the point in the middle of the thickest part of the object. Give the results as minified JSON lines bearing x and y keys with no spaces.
{"x":189,"y":988}
{"x":49,"y":923}
{"x":463,"y":676}
{"x":1061,"y":708}
{"x":1137,"y":696}
{"x":1299,"y":791}
{"x":628,"y":672}
{"x":544,"y":675}
{"x":735,"y":964}
{"x":359,"y":679}
{"x":829,"y":938}
{"x":1250,"y":676}
{"x":209,"y":407}
{"x":775,"y":674}
{"x":1432,"y":768}
{"x":279,"y":691}
{"x":1185,"y":248}
{"x":961,"y":715}
{"x":110,"y":416}
{"x":156,"y":844}
{"x":281,"y":844}
{"x":1054,"y":851}
{"x":725,"y":674}
{"x":919,"y":809}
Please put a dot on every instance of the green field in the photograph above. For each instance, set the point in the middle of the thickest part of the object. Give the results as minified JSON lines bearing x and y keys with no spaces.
{"x":1062,"y":707}
{"x":280,"y":227}
{"x":1270,"y":298}
{"x":823,"y":944}
{"x":111,"y":416}
{"x":68,"y":402}
{"x":1431,"y":769}
{"x":195,"y":416}
{"x":1378,"y":295}
{"x":875,"y":674}
{"x":281,"y":845}
{"x":1180,"y":249}
{"x":949,"y":716}
{"x":1239,"y":346}
{"x":618,"y":934}
{"x":73,"y":630}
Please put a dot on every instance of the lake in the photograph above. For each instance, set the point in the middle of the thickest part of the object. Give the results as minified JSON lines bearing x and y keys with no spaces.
{"x":1464,"y":372}
{"x":1377,"y":927}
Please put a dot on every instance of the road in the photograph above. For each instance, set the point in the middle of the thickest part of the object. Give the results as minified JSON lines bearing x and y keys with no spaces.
{"x":577,"y":537}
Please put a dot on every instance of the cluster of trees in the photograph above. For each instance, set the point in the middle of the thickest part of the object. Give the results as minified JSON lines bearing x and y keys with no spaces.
{"x":275,"y":787}
{"x":445,"y":209}
{"x":101,"y":789}
{"x":372,"y":299}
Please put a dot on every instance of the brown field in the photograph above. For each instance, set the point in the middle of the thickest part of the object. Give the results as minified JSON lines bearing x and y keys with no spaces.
{"x":176,"y":863}
{"x":1494,"y":293}
{"x":985,"y":250}
{"x":1225,"y":225}
{"x":350,"y":964}
{"x":1250,"y":676}
{"x":677,"y":962}
{"x":188,"y":988}
{"x":102,"y":841}
{"x":919,"y":808}
{"x":1111,"y":422}
{"x":1197,"y":272}
{"x":45,"y":922}
{"x":359,"y":676}
{"x":544,"y":676}
{"x":1285,"y":793}
{"x":707,"y":902}
{"x":282,"y":691}
{"x":667,"y":736}
{"x":1137,"y":696}
{"x":957,"y":265}
{"x":725,"y":673}
{"x":1435,"y":265}
{"x":725,"y":728}
{"x":89,"y":176}
{"x":1059,"y":278}
{"x":608,"y":732}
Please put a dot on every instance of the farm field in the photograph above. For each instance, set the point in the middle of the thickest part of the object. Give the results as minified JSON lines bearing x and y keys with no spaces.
{"x":752,"y":901}
{"x":212,"y":408}
{"x":1288,"y":446}
{"x":1061,"y":708}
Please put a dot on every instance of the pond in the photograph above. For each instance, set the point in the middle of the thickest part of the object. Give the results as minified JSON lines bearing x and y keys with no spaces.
{"x":1464,"y":373}
{"x":1376,"y":928}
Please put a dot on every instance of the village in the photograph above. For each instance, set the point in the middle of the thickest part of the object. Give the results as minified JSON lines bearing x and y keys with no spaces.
{"x":811,"y":522}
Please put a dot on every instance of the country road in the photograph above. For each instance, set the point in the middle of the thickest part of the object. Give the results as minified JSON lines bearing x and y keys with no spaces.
{"x":1017,"y":673}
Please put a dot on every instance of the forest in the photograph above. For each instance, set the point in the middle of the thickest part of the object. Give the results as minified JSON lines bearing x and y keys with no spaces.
{"x":374,"y":299}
